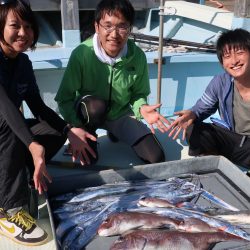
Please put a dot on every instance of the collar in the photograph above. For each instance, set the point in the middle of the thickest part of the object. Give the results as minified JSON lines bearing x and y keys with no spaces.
{"x":102,"y":55}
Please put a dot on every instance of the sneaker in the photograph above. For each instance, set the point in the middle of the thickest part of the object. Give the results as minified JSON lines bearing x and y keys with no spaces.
{"x":22,"y":228}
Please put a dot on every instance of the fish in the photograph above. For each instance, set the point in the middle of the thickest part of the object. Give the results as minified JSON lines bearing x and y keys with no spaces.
{"x":83,"y":194}
{"x":242,"y":217}
{"x":124,"y":189}
{"x":65,"y":226}
{"x":88,"y":231}
{"x":110,"y":198}
{"x":99,"y":193}
{"x":213,"y":198}
{"x":71,"y":237}
{"x":214,"y":222}
{"x":197,"y":207}
{"x":159,"y":202}
{"x":234,"y":217}
{"x":119,"y":223}
{"x":216,"y":200}
{"x":174,"y":196}
{"x":182,"y":214}
{"x":83,"y":233}
{"x":170,"y":240}
{"x":154,"y":202}
{"x":195,"y":225}
{"x":145,"y":182}
{"x":85,"y":206}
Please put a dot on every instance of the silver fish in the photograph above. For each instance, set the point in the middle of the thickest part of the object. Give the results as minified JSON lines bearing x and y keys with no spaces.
{"x":197,"y":207}
{"x":85,"y":206}
{"x":174,"y":196}
{"x":211,"y":197}
{"x":242,"y":217}
{"x":84,"y":232}
{"x":124,"y":186}
{"x":146,"y":182}
{"x":64,"y":227}
{"x":117,"y":189}
{"x":154,"y":202}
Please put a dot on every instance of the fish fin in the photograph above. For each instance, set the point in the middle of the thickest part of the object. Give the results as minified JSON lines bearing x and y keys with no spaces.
{"x":222,"y":228}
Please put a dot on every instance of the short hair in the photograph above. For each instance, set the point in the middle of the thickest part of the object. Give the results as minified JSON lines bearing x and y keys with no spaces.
{"x":234,"y":39}
{"x":22,"y":10}
{"x":112,"y":6}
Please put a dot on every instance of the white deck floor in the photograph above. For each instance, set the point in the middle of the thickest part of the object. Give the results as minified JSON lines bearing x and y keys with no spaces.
{"x":120,"y":155}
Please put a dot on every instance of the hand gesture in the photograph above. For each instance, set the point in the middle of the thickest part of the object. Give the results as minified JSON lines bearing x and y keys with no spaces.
{"x":152,"y":117}
{"x":185,"y":119}
{"x":78,"y":139}
{"x":38,"y":152}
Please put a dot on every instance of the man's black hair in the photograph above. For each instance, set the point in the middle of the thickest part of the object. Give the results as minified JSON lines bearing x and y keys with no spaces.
{"x":234,"y":39}
{"x":112,"y":6}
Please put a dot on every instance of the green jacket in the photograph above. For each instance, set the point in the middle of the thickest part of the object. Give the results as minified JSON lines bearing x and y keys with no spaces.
{"x":87,"y":75}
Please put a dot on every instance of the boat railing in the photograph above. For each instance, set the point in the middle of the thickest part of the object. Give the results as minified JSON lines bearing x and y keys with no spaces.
{"x":190,"y":46}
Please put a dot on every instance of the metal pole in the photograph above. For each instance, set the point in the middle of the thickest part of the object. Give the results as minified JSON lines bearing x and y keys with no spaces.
{"x":161,"y":16}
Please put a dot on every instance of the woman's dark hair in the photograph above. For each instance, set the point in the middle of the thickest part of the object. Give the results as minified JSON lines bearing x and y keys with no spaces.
{"x":22,"y":10}
{"x":112,"y":6}
{"x":234,"y":39}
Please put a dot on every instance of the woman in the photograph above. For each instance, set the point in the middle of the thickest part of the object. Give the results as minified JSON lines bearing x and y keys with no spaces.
{"x":23,"y":142}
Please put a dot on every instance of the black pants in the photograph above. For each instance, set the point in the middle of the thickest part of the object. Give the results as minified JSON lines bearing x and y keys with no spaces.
{"x":15,"y":159}
{"x":206,"y":138}
{"x":92,"y":111}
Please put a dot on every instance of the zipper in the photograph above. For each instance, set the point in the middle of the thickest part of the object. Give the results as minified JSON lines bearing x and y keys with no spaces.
{"x":110,"y":88}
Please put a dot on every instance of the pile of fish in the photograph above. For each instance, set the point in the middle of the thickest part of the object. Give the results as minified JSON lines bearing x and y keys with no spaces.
{"x":146,"y":214}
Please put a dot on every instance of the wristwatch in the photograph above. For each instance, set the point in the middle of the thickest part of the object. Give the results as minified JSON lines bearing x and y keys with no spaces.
{"x":66,"y":129}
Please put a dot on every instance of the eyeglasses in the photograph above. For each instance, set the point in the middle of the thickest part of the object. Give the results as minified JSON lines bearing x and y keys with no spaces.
{"x":122,"y":29}
{"x":2,"y":2}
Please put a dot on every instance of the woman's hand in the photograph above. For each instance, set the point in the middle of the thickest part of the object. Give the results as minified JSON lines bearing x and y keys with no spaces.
{"x":38,"y":154}
{"x":78,"y":139}
{"x":152,"y":117}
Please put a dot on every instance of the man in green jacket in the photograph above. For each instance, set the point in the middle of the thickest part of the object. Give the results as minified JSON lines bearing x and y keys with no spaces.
{"x":106,"y":85}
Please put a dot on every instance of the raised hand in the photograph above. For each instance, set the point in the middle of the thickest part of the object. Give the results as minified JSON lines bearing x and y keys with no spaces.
{"x":153,"y":118}
{"x":184,"y":120}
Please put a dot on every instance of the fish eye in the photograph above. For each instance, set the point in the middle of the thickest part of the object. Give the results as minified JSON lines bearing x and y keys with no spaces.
{"x":107,"y":220}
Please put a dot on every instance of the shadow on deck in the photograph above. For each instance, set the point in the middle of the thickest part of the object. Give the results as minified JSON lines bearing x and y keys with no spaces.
{"x":115,"y":156}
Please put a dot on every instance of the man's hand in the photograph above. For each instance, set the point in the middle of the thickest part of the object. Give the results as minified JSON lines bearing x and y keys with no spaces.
{"x":152,"y":117}
{"x":38,"y":152}
{"x":78,"y":140}
{"x":185,"y":119}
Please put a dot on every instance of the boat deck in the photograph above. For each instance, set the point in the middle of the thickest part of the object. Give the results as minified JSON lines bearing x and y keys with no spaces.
{"x":111,"y":156}
{"x":114,"y":157}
